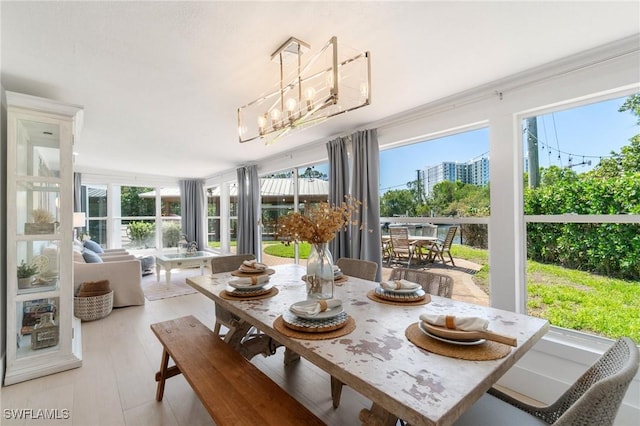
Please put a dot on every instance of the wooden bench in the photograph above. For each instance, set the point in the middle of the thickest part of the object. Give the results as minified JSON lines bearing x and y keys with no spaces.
{"x":234,"y":391}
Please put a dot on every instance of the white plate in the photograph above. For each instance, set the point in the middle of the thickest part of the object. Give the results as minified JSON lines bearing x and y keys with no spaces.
{"x":248,"y":270}
{"x":249,"y":290}
{"x":453,"y":342}
{"x":244,"y":287}
{"x":329,"y":313}
{"x":402,"y":290}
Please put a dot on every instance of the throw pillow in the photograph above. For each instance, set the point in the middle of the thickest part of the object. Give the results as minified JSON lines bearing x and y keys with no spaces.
{"x":94,"y":288}
{"x":93,"y":246}
{"x":91,"y":256}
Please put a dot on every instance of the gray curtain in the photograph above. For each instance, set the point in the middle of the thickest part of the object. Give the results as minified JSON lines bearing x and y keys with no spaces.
{"x":249,"y":211}
{"x":193,"y":208}
{"x":77,"y":192}
{"x":338,"y":188}
{"x":366,"y":176}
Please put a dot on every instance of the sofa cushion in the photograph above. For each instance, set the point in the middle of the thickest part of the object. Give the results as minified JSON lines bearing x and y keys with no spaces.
{"x":90,"y":256}
{"x":94,"y":288}
{"x":93,"y":246}
{"x":78,"y":257}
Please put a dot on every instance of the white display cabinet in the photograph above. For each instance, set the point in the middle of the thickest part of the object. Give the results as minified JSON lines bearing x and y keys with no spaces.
{"x":43,"y":336}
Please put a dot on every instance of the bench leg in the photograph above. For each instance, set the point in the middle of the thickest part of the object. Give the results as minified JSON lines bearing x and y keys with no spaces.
{"x":162,"y":375}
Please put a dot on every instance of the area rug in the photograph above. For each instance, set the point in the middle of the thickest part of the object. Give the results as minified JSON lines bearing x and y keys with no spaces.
{"x":154,"y":290}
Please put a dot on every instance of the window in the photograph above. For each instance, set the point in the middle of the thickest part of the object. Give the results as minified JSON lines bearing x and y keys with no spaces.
{"x":278,"y":199}
{"x":582,"y":179}
{"x":213,"y":216}
{"x":442,"y":182}
{"x":94,"y":203}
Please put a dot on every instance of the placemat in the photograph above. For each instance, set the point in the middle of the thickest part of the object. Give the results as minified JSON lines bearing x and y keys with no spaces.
{"x":484,"y":352}
{"x":270,"y":293}
{"x":371,"y":294}
{"x":239,"y":273}
{"x":349,"y":326}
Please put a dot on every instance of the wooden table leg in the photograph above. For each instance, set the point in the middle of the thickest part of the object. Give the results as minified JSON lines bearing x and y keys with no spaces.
{"x":377,"y":416}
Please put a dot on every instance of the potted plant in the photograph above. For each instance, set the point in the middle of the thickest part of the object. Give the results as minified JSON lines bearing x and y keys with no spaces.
{"x":26,"y":272}
{"x":43,"y":223}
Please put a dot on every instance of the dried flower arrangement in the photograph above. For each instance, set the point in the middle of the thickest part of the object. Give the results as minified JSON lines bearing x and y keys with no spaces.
{"x":319,"y":223}
{"x":42,"y":216}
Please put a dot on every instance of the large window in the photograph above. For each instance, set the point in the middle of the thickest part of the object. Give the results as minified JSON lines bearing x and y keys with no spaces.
{"x":213,"y":216}
{"x":442,"y":183}
{"x":582,"y":183}
{"x":138,"y":218}
{"x":95,"y":202}
{"x":279,"y":198}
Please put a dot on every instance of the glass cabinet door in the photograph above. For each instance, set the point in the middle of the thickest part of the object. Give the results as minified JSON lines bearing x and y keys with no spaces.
{"x":37,"y":148}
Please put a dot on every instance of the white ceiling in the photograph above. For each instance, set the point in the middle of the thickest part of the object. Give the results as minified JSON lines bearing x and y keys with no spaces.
{"x":161,"y":81}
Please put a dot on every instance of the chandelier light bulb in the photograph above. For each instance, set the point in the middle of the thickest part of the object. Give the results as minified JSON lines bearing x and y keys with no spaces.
{"x":275,"y":117}
{"x":310,"y":95}
{"x":262,"y":123}
{"x":291,"y":104}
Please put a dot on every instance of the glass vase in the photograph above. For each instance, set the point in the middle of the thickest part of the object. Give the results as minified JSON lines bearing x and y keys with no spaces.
{"x":320,"y":272}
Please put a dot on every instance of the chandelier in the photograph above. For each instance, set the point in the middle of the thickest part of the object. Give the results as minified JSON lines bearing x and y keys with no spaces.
{"x":327,"y":85}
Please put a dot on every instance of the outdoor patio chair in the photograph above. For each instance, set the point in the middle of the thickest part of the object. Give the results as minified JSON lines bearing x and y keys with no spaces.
{"x":401,"y":247}
{"x":431,"y":282}
{"x":440,"y":247}
{"x":226,"y":264}
{"x":594,"y":399}
{"x":358,"y":268}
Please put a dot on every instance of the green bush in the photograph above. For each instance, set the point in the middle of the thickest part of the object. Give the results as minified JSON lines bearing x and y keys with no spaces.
{"x":140,"y":232}
{"x":170,"y":234}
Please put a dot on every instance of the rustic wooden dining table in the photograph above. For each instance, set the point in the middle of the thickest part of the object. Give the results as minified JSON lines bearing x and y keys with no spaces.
{"x":377,"y":359}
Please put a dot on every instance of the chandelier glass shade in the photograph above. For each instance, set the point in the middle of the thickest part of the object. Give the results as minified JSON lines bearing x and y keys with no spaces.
{"x":331,"y":82}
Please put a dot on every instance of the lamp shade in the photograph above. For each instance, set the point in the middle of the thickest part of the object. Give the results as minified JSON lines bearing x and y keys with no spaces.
{"x":79,"y":219}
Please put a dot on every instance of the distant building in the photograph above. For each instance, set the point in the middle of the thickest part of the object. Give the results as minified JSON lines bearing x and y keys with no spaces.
{"x":475,"y":172}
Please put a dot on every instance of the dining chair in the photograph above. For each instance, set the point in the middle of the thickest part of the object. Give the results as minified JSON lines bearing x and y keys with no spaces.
{"x":358,"y":268}
{"x":226,"y":264}
{"x":440,"y":247}
{"x":593,"y":400}
{"x":431,"y":282}
{"x":401,"y":247}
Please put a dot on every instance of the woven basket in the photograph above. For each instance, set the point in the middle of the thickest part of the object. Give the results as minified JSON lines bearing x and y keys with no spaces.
{"x":93,"y":308}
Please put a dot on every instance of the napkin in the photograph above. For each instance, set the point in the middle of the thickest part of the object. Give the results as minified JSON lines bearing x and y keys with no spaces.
{"x":249,"y":281}
{"x":314,"y":308}
{"x":456,"y":323}
{"x":254,"y":264}
{"x":400,"y":285}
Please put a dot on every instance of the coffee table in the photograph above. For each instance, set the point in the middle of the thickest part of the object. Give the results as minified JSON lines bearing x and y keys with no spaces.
{"x":169,"y":261}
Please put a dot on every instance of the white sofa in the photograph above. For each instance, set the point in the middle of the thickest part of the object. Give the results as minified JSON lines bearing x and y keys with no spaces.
{"x":123,"y":272}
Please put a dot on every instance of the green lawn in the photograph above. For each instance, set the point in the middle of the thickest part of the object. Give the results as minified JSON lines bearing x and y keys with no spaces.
{"x":572,"y":299}
{"x":283,"y":250}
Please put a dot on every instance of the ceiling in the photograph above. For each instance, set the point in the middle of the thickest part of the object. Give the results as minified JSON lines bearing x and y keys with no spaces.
{"x":160,"y":82}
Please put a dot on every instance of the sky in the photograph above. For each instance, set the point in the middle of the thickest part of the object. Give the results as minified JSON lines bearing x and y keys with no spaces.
{"x":582,"y":134}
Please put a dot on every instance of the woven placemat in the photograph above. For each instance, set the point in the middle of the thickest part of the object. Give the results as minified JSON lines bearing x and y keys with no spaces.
{"x":270,"y":293}
{"x":484,"y":352}
{"x":371,"y":294}
{"x":280,"y":325}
